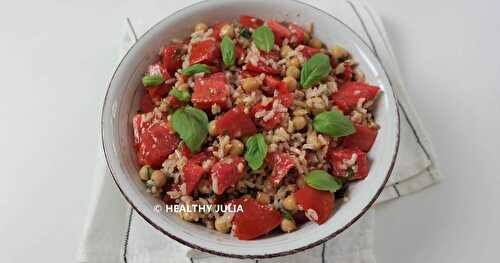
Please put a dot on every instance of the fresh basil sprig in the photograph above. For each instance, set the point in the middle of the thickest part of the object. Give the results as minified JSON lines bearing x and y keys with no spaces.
{"x":315,"y":68}
{"x":152,"y":80}
{"x":333,"y":123}
{"x":182,"y":95}
{"x":192,"y":126}
{"x":196,"y":68}
{"x":256,"y":151}
{"x":323,"y":181}
{"x":263,"y":38}
{"x":227,"y":50}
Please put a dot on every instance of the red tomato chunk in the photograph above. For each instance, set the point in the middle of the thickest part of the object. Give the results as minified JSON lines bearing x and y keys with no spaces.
{"x":157,"y":143}
{"x":348,"y":95}
{"x":340,"y":158}
{"x":172,"y":57}
{"x":255,"y":220}
{"x":210,"y":90}
{"x":281,"y":163}
{"x":226,"y":173}
{"x":363,"y":138}
{"x":236,"y":123}
{"x":192,"y":174}
{"x":204,"y":52}
{"x":279,"y":30}
{"x":250,"y":21}
{"x":317,"y":205}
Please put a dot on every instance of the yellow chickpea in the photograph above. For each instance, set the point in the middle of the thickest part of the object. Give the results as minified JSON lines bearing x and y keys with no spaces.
{"x":145,"y":172}
{"x":293,"y":62}
{"x":263,"y":198}
{"x":299,"y":122}
{"x":159,"y":178}
{"x":227,"y":30}
{"x":339,"y":52}
{"x":315,"y":43}
{"x":212,"y":129}
{"x":250,"y":84}
{"x":290,"y":82}
{"x":236,"y":147}
{"x":288,"y":225}
{"x":223,"y":223}
{"x":285,"y":50}
{"x":289,"y":203}
{"x":293,"y":72}
{"x":200,"y":27}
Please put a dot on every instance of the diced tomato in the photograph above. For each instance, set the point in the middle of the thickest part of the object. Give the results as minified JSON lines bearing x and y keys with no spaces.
{"x":281,"y":163}
{"x":346,"y":98}
{"x":185,"y":151}
{"x":250,"y":21}
{"x":273,"y":55}
{"x":192,"y":174}
{"x":156,"y":68}
{"x":204,"y":52}
{"x":174,"y":102}
{"x":140,"y":124}
{"x":236,"y":123}
{"x":271,"y":123}
{"x":157,"y":143}
{"x":200,"y":157}
{"x":146,"y":104}
{"x":158,"y":92}
{"x":172,"y":57}
{"x":255,"y":220}
{"x":363,"y":138}
{"x":272,"y":81}
{"x":347,"y":74}
{"x":263,"y":68}
{"x":318,"y":205}
{"x":279,"y":30}
{"x":339,"y":168}
{"x":284,"y":95}
{"x":210,"y":90}
{"x":248,"y":74}
{"x":240,"y":53}
{"x":226,"y":173}
{"x":216,"y":29}
{"x":308,"y":51}
{"x":298,"y":33}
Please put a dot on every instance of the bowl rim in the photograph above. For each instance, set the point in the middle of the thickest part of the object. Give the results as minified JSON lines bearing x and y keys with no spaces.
{"x":247,"y":256}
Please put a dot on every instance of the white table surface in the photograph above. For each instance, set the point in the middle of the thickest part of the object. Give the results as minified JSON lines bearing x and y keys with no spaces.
{"x":57,"y":56}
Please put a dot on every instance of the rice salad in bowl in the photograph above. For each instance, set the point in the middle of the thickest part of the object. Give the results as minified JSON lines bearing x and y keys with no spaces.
{"x":259,"y":114}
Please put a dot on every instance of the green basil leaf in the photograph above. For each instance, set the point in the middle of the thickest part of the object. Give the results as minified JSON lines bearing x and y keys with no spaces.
{"x":182,"y":95}
{"x":286,"y":214}
{"x":323,"y":181}
{"x":152,"y":80}
{"x":333,"y":123}
{"x":256,"y":151}
{"x":192,"y":126}
{"x":196,"y":68}
{"x":263,"y":38}
{"x":245,"y":32}
{"x":227,"y":50}
{"x":315,"y":68}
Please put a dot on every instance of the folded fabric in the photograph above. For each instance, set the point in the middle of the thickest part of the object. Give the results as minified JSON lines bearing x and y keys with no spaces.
{"x":115,"y":233}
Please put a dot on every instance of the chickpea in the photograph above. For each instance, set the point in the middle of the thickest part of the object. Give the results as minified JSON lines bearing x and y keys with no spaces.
{"x":291,"y":83}
{"x":227,"y":30}
{"x":293,"y":62}
{"x":288,"y":225}
{"x":145,"y":172}
{"x":263,"y":198}
{"x":236,"y":147}
{"x":315,"y":43}
{"x":293,"y":72}
{"x":200,"y":27}
{"x":316,"y":104}
{"x":212,"y":129}
{"x":159,"y":178}
{"x":299,"y":122}
{"x":289,"y":203}
{"x":223,"y":223}
{"x":339,"y":52}
{"x":250,"y":84}
{"x":183,"y":87}
{"x":285,"y":50}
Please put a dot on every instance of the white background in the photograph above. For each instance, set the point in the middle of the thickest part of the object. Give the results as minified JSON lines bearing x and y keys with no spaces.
{"x":57,"y":56}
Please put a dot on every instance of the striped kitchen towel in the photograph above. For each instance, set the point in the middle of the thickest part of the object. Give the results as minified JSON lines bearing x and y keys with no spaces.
{"x":114,"y":232}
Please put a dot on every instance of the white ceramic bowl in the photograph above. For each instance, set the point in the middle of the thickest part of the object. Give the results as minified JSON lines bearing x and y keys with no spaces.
{"x":125,"y":90}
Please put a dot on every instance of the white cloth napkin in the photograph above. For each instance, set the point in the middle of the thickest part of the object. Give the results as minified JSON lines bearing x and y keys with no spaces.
{"x":115,"y":233}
